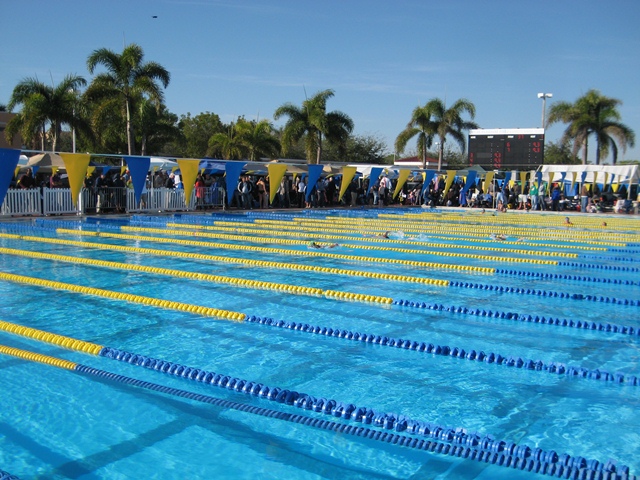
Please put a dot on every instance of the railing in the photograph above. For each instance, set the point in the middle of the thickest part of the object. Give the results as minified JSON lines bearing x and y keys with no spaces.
{"x":58,"y":201}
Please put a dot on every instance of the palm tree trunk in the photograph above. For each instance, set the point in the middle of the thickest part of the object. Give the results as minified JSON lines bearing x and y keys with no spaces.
{"x":584,"y":152}
{"x":597,"y":151}
{"x":319,"y":152}
{"x":424,"y":157}
{"x":143,"y":146}
{"x":440,"y":148}
{"x":129,"y":129}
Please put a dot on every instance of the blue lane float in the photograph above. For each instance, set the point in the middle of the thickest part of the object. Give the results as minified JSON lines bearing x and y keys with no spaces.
{"x":560,"y":276}
{"x":544,"y":293}
{"x":598,"y":267}
{"x":584,"y":325}
{"x":453,"y":351}
{"x":446,"y":440}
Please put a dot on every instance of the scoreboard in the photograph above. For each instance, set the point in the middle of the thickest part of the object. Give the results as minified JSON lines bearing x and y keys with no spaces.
{"x":506,"y":148}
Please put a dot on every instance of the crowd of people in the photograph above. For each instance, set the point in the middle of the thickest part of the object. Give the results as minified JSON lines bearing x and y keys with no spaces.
{"x":293,"y":191}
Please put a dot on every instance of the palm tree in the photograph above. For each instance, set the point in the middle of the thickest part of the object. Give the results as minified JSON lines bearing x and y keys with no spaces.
{"x":156,"y":126}
{"x":422,"y":126}
{"x":593,"y":113}
{"x":449,"y":122}
{"x":228,"y":144}
{"x":43,"y":104}
{"x":127,"y":78}
{"x":313,"y":123}
{"x":257,"y":138}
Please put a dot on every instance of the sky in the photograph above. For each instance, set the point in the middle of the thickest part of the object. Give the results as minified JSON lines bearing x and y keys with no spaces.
{"x":382,"y":58}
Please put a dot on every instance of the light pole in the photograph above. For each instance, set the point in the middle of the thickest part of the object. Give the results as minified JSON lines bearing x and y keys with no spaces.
{"x":544,"y":97}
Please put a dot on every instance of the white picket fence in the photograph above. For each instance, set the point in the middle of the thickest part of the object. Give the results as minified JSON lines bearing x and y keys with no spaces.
{"x":58,"y":201}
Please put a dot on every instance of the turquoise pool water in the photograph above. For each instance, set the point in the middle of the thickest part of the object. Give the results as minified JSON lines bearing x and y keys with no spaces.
{"x":56,"y":423}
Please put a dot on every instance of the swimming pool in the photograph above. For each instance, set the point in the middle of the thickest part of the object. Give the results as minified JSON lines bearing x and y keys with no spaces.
{"x":437,"y":352}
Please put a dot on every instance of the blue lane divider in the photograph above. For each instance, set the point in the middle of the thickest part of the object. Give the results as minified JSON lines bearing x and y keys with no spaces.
{"x":587,"y":256}
{"x":584,"y":325}
{"x":456,"y":440}
{"x":7,"y":476}
{"x":455,"y":352}
{"x":545,"y":293}
{"x":599,"y":267}
{"x":561,"y":276}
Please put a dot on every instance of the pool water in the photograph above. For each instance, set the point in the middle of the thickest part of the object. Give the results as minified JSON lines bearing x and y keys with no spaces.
{"x":57,"y":423}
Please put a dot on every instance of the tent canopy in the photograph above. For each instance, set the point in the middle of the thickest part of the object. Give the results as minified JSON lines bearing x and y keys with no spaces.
{"x":623,"y":173}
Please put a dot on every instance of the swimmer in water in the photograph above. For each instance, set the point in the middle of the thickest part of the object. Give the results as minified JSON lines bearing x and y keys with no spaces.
{"x":318,"y":245}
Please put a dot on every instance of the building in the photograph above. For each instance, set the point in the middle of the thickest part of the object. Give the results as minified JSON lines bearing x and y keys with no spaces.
{"x":416,"y":162}
{"x":5,"y":117}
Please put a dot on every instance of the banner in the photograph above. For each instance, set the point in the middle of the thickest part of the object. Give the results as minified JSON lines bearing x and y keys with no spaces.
{"x":276,"y":172}
{"x":233,"y":171}
{"x":315,"y":171}
{"x":138,"y":168}
{"x":9,"y":158}
{"x":573,"y":180}
{"x":488,"y":181}
{"x":188,"y":172}
{"x":347,"y":175}
{"x":593,"y":186}
{"x":471,"y":180}
{"x":373,"y":178}
{"x":76,"y":165}
{"x":428,"y":177}
{"x":402,"y":179}
{"x":523,"y":181}
{"x":451,"y":174}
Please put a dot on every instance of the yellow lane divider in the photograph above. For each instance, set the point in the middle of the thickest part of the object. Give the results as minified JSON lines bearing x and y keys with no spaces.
{"x":412,"y":230}
{"x":232,"y":260}
{"x":37,"y":357}
{"x":52,"y":338}
{"x":354,"y":246}
{"x":562,"y":230}
{"x":185,"y":307}
{"x":238,"y":282}
{"x":284,"y":230}
{"x":278,"y":251}
{"x":561,"y":234}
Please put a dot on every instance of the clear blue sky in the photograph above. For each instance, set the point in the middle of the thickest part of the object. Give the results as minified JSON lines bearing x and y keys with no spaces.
{"x":382,"y":58}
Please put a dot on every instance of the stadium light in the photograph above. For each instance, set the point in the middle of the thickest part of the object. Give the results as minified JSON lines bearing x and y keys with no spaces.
{"x":544,"y":97}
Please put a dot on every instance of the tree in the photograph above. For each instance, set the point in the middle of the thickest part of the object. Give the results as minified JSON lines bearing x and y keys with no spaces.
{"x":448,"y":122}
{"x":360,"y":149}
{"x":314,"y":124}
{"x":420,"y":125}
{"x":593,"y":114}
{"x":44,"y":105}
{"x":126,"y":79}
{"x":156,"y":127}
{"x":257,"y":138}
{"x":227,"y":145}
{"x":559,"y":154}
{"x":196,"y":132}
